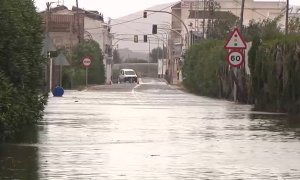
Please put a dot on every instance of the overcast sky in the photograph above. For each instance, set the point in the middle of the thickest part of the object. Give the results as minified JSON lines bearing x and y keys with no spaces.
{"x":109,"y":8}
{"x":117,"y":8}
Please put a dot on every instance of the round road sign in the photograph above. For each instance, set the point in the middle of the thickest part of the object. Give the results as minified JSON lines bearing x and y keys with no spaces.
{"x":235,"y":58}
{"x":86,"y":62}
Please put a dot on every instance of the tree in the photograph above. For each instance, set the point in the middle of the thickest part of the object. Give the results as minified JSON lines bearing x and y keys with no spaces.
{"x":116,"y":57}
{"x":219,"y":23}
{"x":135,"y":60}
{"x":158,"y":53}
{"x":91,"y":49}
{"x":219,"y":27}
{"x":265,"y":30}
{"x":21,"y":67}
{"x":294,"y":25}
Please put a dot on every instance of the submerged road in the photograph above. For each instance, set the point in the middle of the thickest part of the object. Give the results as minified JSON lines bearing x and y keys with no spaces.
{"x":155,"y":131}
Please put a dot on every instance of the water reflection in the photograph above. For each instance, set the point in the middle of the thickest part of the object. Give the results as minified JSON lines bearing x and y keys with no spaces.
{"x":281,"y":125}
{"x":19,"y":159}
{"x":154,"y":135}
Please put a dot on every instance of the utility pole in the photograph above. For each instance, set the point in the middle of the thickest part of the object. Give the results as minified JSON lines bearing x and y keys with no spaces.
{"x":78,"y":25}
{"x":242,"y":15}
{"x":204,"y":9}
{"x":48,"y":4}
{"x":287,"y":17}
{"x":47,"y":54}
{"x":235,"y":69}
{"x":149,"y":58}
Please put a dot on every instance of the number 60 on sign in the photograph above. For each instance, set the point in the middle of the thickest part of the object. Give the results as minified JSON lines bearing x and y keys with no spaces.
{"x":235,"y":58}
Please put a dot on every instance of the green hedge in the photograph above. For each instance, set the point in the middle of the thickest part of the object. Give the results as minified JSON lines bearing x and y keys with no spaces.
{"x":202,"y":67}
{"x":274,"y":84}
{"x":275,"y":70}
{"x":21,"y":67}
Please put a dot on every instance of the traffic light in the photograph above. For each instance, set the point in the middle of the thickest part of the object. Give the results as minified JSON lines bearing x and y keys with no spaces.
{"x":145,"y":38}
{"x":145,"y":14}
{"x":135,"y":38}
{"x":154,"y":29}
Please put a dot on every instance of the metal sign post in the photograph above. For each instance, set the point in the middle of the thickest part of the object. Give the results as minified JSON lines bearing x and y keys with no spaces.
{"x":86,"y":62}
{"x":86,"y":77}
{"x":50,"y":74}
{"x":236,"y":54}
{"x":61,"y":61}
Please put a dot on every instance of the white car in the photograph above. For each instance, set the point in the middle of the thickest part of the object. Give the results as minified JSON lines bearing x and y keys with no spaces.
{"x":127,"y":75}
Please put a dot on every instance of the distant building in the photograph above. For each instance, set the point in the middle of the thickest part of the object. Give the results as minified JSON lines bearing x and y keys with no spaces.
{"x":67,"y":27}
{"x":95,"y":28}
{"x":194,"y":13}
{"x":295,"y":11}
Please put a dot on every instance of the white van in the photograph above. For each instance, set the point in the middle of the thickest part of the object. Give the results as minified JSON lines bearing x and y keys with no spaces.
{"x":127,"y":75}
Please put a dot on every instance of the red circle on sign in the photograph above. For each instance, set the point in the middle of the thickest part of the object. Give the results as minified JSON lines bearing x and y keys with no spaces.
{"x":86,"y":61}
{"x":235,"y":58}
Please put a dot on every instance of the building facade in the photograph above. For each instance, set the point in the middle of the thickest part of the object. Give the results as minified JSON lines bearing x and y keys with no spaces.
{"x":67,"y":27}
{"x":194,"y":13}
{"x":95,"y":28}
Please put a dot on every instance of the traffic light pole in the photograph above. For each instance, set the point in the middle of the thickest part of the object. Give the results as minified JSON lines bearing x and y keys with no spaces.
{"x":187,"y":31}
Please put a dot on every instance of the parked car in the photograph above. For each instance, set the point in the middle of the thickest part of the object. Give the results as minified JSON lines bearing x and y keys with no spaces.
{"x":127,"y":75}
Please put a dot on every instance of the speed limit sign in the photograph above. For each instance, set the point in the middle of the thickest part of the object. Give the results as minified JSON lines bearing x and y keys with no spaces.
{"x":86,"y":62}
{"x":235,"y":58}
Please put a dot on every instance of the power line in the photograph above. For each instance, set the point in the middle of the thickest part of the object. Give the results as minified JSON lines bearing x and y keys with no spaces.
{"x":139,"y":34}
{"x":132,"y":20}
{"x":127,"y":21}
{"x":251,"y":9}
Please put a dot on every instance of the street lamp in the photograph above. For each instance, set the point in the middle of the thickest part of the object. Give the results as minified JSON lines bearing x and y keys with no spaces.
{"x":48,"y":5}
{"x":165,"y":57}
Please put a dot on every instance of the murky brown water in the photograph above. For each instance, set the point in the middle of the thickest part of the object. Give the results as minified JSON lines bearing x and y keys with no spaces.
{"x":154,"y":132}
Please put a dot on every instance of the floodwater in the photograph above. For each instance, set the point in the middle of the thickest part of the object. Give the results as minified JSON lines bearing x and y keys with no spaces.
{"x":153,"y":131}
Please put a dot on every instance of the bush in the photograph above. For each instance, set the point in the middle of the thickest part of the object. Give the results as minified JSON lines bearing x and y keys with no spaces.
{"x":275,"y":69}
{"x":202,"y":66}
{"x":91,"y":49}
{"x":21,"y":67}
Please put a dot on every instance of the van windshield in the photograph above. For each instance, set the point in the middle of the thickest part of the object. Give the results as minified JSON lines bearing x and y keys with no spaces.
{"x":129,"y":73}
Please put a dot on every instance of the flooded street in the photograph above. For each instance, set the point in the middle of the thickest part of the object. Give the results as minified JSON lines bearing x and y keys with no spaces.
{"x":153,"y":131}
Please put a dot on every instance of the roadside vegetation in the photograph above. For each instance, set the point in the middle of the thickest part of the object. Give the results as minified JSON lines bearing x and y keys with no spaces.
{"x":157,"y":53}
{"x":74,"y":75}
{"x":116,"y":57}
{"x":21,"y":67}
{"x":275,"y":74}
{"x":274,"y":62}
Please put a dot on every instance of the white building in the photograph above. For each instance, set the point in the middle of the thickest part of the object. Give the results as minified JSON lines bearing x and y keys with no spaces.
{"x":95,"y":28}
{"x":192,"y":12}
{"x":295,"y":11}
